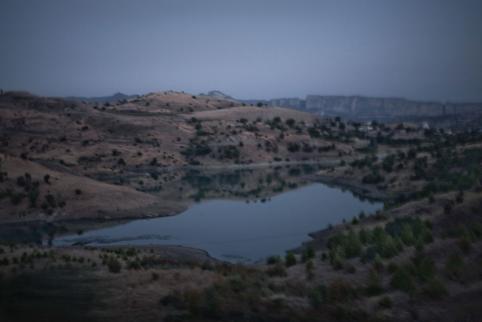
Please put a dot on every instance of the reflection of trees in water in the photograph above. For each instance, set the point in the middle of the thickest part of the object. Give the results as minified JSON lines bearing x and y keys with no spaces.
{"x":34,"y":233}
{"x":247,"y":183}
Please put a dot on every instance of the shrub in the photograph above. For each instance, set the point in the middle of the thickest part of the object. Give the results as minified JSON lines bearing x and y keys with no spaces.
{"x":290,"y":122}
{"x":16,"y":198}
{"x":353,"y":246}
{"x":293,"y":147}
{"x":373,"y":178}
{"x":134,"y":264}
{"x":464,"y":244}
{"x":423,"y":267}
{"x":309,"y":267}
{"x":314,"y":133}
{"x":411,"y":231}
{"x":378,"y":263}
{"x":339,"y":291}
{"x":336,"y":260}
{"x":392,"y":267}
{"x":33,"y":196}
{"x":273,"y":260}
{"x":364,"y":236}
{"x":349,"y":268}
{"x":403,"y":280}
{"x":454,"y":266}
{"x":435,"y":289}
{"x":50,"y":199}
{"x":388,"y":247}
{"x":308,"y":253}
{"x":196,"y":150}
{"x":229,"y":152}
{"x":114,"y":265}
{"x":460,"y":197}
{"x":349,"y":245}
{"x":21,"y":181}
{"x":407,"y":235}
{"x":276,"y":270}
{"x":385,"y":302}
{"x":290,"y":259}
{"x":317,"y":296}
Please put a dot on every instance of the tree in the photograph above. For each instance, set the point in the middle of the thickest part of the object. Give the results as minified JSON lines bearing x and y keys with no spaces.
{"x":290,"y":259}
{"x":114,"y":265}
{"x":290,"y":122}
{"x":308,"y":253}
{"x":406,"y":235}
{"x":402,"y":280}
{"x":374,"y":283}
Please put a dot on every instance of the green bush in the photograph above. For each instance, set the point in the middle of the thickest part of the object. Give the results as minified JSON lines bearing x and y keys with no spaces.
{"x":229,"y":152}
{"x":273,"y":260}
{"x":308,"y":253}
{"x":293,"y":147}
{"x":16,"y":198}
{"x":349,"y":244}
{"x":340,"y":291}
{"x":50,"y":199}
{"x":385,"y":302}
{"x":194,"y":150}
{"x":114,"y":265}
{"x":424,"y":268}
{"x":410,"y":230}
{"x":378,"y":263}
{"x":33,"y":196}
{"x":309,"y":269}
{"x":373,"y":178}
{"x":435,"y":289}
{"x":337,"y":257}
{"x":276,"y":270}
{"x":403,"y":280}
{"x":392,"y":268}
{"x":406,"y":235}
{"x":374,"y":283}
{"x":290,"y":259}
{"x":317,"y":296}
{"x":454,"y":266}
{"x":464,"y":244}
{"x":364,"y":236}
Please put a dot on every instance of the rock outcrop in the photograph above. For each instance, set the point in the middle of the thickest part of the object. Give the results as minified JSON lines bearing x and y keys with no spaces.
{"x":374,"y":107}
{"x":361,"y":108}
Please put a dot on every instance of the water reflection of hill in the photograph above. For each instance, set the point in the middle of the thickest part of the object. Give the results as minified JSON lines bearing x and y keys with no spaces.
{"x":249,"y":184}
{"x":182,"y":188}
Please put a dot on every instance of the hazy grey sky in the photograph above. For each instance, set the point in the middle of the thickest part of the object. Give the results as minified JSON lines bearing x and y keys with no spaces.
{"x":425,"y":49}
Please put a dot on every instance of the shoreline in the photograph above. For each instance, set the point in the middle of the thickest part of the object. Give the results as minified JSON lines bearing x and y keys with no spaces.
{"x":69,"y":227}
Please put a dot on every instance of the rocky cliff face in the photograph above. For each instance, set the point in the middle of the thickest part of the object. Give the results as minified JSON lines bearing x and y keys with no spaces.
{"x":383,"y":109}
{"x":373,"y":107}
{"x":294,"y":102}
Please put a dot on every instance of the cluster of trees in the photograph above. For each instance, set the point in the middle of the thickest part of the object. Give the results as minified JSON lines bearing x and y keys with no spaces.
{"x":379,"y":242}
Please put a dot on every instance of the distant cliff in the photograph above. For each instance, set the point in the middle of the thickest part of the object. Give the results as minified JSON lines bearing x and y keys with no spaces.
{"x":374,"y":107}
{"x":295,"y":102}
{"x":363,"y":108}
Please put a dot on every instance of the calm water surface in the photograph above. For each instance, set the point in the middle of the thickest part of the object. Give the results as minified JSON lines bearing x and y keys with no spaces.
{"x":236,"y":230}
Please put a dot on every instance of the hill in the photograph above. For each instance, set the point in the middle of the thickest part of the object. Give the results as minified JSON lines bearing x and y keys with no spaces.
{"x":129,"y":150}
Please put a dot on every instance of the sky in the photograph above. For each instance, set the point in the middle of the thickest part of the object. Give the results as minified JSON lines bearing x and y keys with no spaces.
{"x":418,"y":49}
